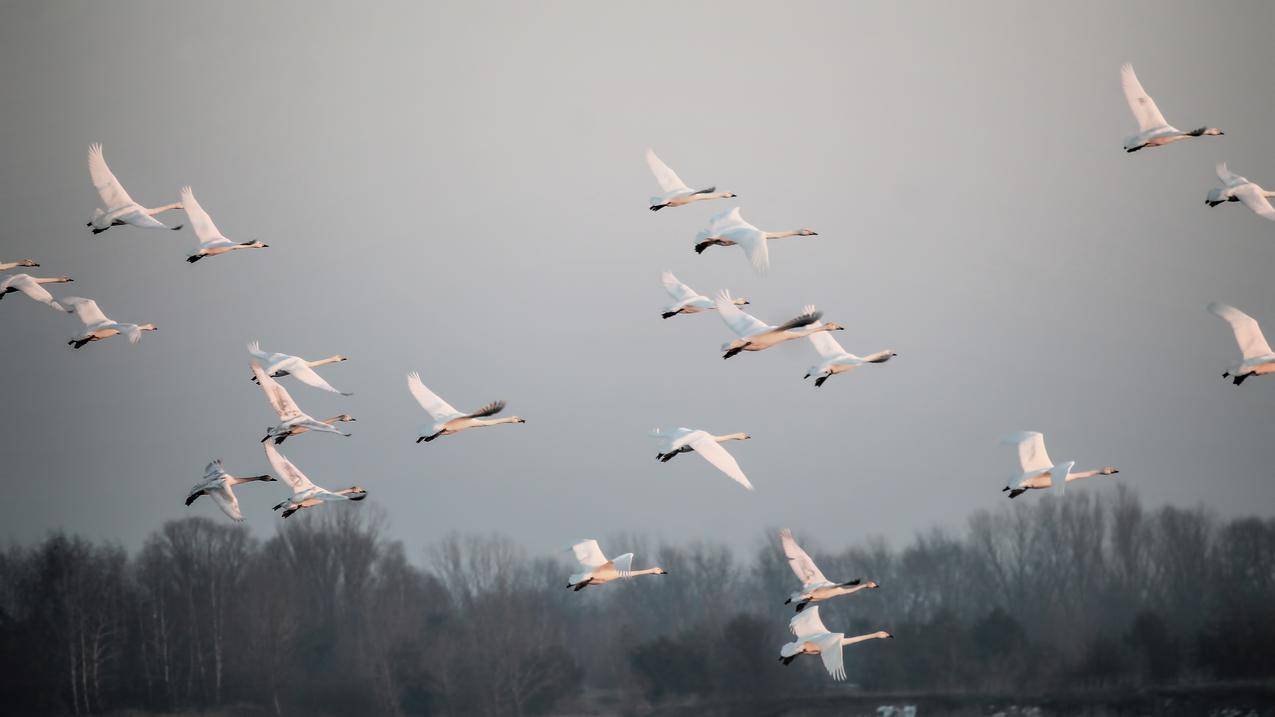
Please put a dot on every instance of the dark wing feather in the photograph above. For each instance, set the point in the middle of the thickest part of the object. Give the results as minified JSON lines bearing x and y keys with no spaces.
{"x":803,"y":320}
{"x":490,"y":409}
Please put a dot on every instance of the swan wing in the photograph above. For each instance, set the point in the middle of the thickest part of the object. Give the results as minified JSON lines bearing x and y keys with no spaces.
{"x":825,"y":345}
{"x":725,"y":220}
{"x":1247,"y":333}
{"x":676,"y":289}
{"x":1254,"y":199}
{"x":86,"y":310}
{"x":1229,"y":178}
{"x":808,"y":316}
{"x":755,"y":247}
{"x":802,"y":566}
{"x":302,"y":372}
{"x":1140,"y":103}
{"x":1058,"y":475}
{"x":280,"y":401}
{"x":666,"y":177}
{"x":1031,"y":450}
{"x":287,"y":472}
{"x":623,"y":564}
{"x":833,"y":659}
{"x":104,"y":181}
{"x":200,"y":222}
{"x":807,"y":623}
{"x":213,"y":468}
{"x":737,"y":320}
{"x":714,"y":453}
{"x":589,"y":554}
{"x":225,"y":499}
{"x":33,"y":289}
{"x":437,"y":408}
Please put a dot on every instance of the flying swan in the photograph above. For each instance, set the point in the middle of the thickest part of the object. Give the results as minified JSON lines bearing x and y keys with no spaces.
{"x":1153,"y":131}
{"x":1239,"y":189}
{"x":218,"y":485}
{"x":120,"y":208}
{"x":97,"y":326}
{"x":290,"y":416}
{"x":7,"y":265}
{"x":676,"y":193}
{"x":1257,"y":356}
{"x":600,"y":571}
{"x":685,"y":440}
{"x":815,"y":639}
{"x":448,"y":420}
{"x":836,"y":359}
{"x":757,"y":336}
{"x":814,"y":586}
{"x":278,"y":365}
{"x":304,"y":493}
{"x":728,"y":228}
{"x":31,"y":286}
{"x":685,"y":300}
{"x":211,"y":241}
{"x":1036,"y":471}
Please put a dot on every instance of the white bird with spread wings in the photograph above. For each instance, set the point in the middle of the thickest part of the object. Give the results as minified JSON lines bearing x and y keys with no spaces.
{"x":277,"y":365}
{"x":685,"y":300}
{"x":598,"y":570}
{"x":33,"y":287}
{"x":1153,"y":130}
{"x":836,"y":359}
{"x":1239,"y":189}
{"x":304,"y":493}
{"x":675,"y":193}
{"x":120,"y":208}
{"x":728,"y":228}
{"x":97,"y":326}
{"x":754,"y":335}
{"x":290,"y":416}
{"x":813,"y":638}
{"x":1035,"y":471}
{"x":446,"y":419}
{"x":814,"y":586}
{"x":685,"y":440}
{"x":219,"y":485}
{"x":211,"y":240}
{"x":1257,"y":357}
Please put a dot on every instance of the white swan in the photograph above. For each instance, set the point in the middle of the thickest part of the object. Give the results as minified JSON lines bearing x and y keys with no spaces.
{"x":685,"y":300}
{"x":1034,"y":469}
{"x":7,"y":265}
{"x":1239,"y":189}
{"x":728,"y":228}
{"x":448,"y":420}
{"x":600,"y":571}
{"x":1258,"y":359}
{"x":211,"y":240}
{"x":814,"y":586}
{"x":298,"y":430}
{"x":97,"y":326}
{"x":304,"y":493}
{"x":836,"y":359}
{"x":684,"y":440}
{"x":290,"y":416}
{"x":1153,"y":131}
{"x":120,"y":208}
{"x":675,"y":191}
{"x":757,"y":336}
{"x":31,"y":286}
{"x":277,"y":365}
{"x":815,"y":639}
{"x":218,"y":485}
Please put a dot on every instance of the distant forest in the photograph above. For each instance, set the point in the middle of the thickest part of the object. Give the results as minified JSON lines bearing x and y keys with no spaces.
{"x":329,"y":616}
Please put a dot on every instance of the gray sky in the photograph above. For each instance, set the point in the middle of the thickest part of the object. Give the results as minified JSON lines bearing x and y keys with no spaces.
{"x":459,"y":190}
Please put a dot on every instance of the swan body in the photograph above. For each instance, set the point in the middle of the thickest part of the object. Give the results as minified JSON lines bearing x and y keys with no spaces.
{"x":685,"y":300}
{"x":1257,"y":357}
{"x":97,"y":326}
{"x":1239,"y":189}
{"x":7,"y":265}
{"x":685,"y":440}
{"x":728,"y":228}
{"x":211,"y":240}
{"x":814,"y":586}
{"x":304,"y":493}
{"x":1035,"y":471}
{"x":813,"y":638}
{"x":835,"y":359}
{"x":277,"y":365}
{"x":298,"y":430}
{"x":753,"y":335}
{"x":446,"y":419}
{"x":120,"y":208}
{"x":598,"y":570}
{"x":32,"y":287}
{"x":1153,"y":130}
{"x":675,"y":193}
{"x":219,"y":485}
{"x":290,"y":416}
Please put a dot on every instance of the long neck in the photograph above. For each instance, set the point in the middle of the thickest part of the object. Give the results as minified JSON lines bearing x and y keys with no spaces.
{"x":507,"y":419}
{"x":714,"y":195}
{"x":9,"y":265}
{"x":861,"y":638}
{"x":730,"y":437}
{"x":331,"y":420}
{"x":53,"y":280}
{"x":808,"y":330}
{"x":1085,"y":474}
{"x":235,"y":480}
{"x":782,"y":235}
{"x":647,"y":571}
{"x":323,"y":362}
{"x":166,"y":207}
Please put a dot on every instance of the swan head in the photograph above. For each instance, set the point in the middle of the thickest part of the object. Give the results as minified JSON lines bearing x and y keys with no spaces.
{"x":741,"y":301}
{"x":339,"y":358}
{"x":885,"y":635}
{"x":807,"y":233}
{"x":346,"y":418}
{"x":660,"y":571}
{"x":27,"y":262}
{"x":355,"y":493}
{"x":833,"y":326}
{"x":1108,"y":471}
{"x":257,"y":244}
{"x":63,"y":280}
{"x":871,"y":585}
{"x":1213,"y":132}
{"x":517,"y":419}
{"x":148,"y":327}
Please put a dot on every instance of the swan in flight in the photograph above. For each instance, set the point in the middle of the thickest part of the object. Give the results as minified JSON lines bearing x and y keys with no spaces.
{"x":290,"y":417}
{"x":448,"y":420}
{"x":304,"y":493}
{"x":298,"y":430}
{"x":120,"y":208}
{"x":728,"y":228}
{"x":835,"y":359}
{"x":1257,"y":356}
{"x":97,"y":326}
{"x":278,"y":365}
{"x":675,"y":191}
{"x":815,"y":639}
{"x":1034,"y":469}
{"x":31,"y":286}
{"x":211,"y":241}
{"x":685,"y":300}
{"x":685,"y":440}
{"x":757,"y":336}
{"x":1239,"y":189}
{"x":814,"y":586}
{"x":7,"y":265}
{"x":1153,"y":131}
{"x":600,"y":571}
{"x":219,"y":485}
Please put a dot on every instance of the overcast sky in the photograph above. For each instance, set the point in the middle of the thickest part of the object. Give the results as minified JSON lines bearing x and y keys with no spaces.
{"x":458,"y":189}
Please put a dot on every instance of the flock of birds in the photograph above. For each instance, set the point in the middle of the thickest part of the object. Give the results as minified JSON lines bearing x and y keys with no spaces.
{"x":1033,"y":468}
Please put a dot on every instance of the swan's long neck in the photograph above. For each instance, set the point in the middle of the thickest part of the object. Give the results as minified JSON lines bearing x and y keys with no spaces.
{"x":247,"y":479}
{"x":647,"y":571}
{"x":166,"y":207}
{"x":783,"y":235}
{"x":1090,"y":474}
{"x":808,"y":330}
{"x":715,"y":195}
{"x":497,"y":421}
{"x":324,"y":362}
{"x":54,"y":280}
{"x":861,"y":638}
{"x":333,"y":419}
{"x":731,"y":437}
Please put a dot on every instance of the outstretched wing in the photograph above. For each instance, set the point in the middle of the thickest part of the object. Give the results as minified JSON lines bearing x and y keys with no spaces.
{"x":490,"y":409}
{"x":104,"y":181}
{"x":1255,"y":199}
{"x":830,"y":651}
{"x":737,"y":320}
{"x":286,"y":471}
{"x":725,"y":220}
{"x":437,"y":408}
{"x":719,"y":457}
{"x":1229,"y":178}
{"x":1058,"y":476}
{"x":824,"y":344}
{"x":1247,"y":333}
{"x":799,"y":561}
{"x":667,"y":178}
{"x":278,"y":396}
{"x":1031,"y":450}
{"x":1140,"y":103}
{"x":199,"y":219}
{"x":33,"y":289}
{"x":225,"y":499}
{"x":756,"y":248}
{"x":807,"y":623}
{"x":676,"y":289}
{"x":86,"y":310}
{"x":808,"y":316}
{"x":302,"y":372}
{"x":623,"y":564}
{"x":589,"y":554}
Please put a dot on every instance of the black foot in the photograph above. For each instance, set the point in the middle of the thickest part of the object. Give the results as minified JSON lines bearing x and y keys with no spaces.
{"x":732,"y":352}
{"x":658,"y":207}
{"x":668,"y":314}
{"x":666,"y":457}
{"x":700,"y":247}
{"x":179,"y":226}
{"x":195,"y":258}
{"x":99,"y":231}
{"x":819,"y":381}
